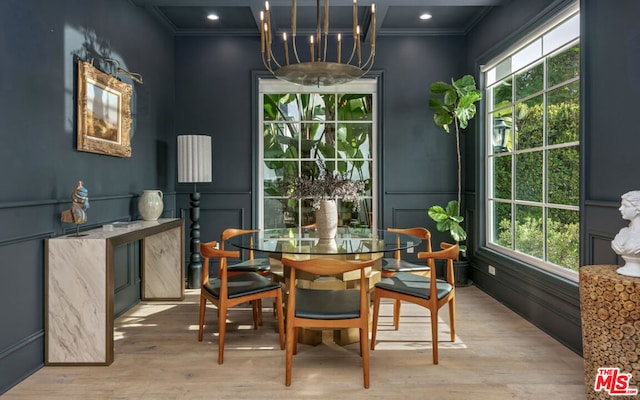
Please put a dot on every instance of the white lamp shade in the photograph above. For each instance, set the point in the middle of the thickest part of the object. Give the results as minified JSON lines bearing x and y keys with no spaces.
{"x":194,"y":158}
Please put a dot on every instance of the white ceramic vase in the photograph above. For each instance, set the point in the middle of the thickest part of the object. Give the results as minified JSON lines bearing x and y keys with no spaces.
{"x":150,"y":205}
{"x":327,"y":219}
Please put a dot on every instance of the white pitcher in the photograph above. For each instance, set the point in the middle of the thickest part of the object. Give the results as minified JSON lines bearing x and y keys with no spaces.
{"x":150,"y":204}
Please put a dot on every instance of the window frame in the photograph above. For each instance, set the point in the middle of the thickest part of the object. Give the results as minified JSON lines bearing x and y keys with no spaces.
{"x":360,"y":86}
{"x":497,"y":67}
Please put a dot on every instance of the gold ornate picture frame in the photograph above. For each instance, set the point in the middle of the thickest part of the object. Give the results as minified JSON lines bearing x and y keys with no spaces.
{"x":104,"y":112}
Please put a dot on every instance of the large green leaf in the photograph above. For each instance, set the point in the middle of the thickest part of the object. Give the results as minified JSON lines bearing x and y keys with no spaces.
{"x":452,"y":208}
{"x":448,"y":220}
{"x":435,"y":103}
{"x":450,"y":97}
{"x":465,"y":84}
{"x":439,"y":87}
{"x":443,"y":119}
{"x":438,"y":214}
{"x":457,"y":233}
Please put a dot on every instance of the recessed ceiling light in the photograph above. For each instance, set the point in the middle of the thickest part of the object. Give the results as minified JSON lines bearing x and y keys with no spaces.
{"x":425,"y":16}
{"x":213,"y":17}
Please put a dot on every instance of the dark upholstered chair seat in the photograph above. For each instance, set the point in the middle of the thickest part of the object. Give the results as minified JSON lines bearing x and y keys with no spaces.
{"x":241,"y":285}
{"x":414,"y":285}
{"x":393,"y":265}
{"x":327,"y":304}
{"x":227,"y":291}
{"x":254,"y":265}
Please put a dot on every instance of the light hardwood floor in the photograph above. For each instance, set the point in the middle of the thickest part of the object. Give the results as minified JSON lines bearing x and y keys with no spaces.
{"x":499,"y":356}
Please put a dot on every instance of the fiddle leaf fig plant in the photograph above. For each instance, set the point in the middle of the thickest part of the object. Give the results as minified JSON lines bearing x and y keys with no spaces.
{"x":449,"y":219}
{"x":453,"y":103}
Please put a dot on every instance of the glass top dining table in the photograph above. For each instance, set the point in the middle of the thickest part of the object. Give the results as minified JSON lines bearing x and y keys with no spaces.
{"x":348,"y":241}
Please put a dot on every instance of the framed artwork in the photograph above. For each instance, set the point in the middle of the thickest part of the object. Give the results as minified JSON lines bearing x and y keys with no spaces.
{"x":104,"y":112}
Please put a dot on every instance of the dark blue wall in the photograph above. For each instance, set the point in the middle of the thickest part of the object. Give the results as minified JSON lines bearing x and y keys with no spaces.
{"x":40,"y":41}
{"x":214,"y":95}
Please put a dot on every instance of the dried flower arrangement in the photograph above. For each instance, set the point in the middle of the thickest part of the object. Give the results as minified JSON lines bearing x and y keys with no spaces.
{"x":327,"y":186}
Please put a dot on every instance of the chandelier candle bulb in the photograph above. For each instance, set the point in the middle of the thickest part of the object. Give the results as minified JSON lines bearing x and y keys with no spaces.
{"x":312,"y":51}
{"x":267,"y":42}
{"x":373,"y":23}
{"x":286,"y":48}
{"x":358,"y":45}
{"x":293,"y":18}
{"x":262,"y":33}
{"x":355,"y":17}
{"x":326,"y":17}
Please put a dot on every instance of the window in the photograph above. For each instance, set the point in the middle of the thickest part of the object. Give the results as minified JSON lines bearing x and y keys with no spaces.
{"x":533,"y":184}
{"x":302,"y":126}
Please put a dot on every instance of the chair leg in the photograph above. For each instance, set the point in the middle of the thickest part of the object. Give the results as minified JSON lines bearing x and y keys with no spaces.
{"x":365,"y":355}
{"x":396,"y":314}
{"x":203,"y":307}
{"x":434,"y":334}
{"x":254,"y":309}
{"x":374,"y":326}
{"x":452,"y":318}
{"x":222,"y":328}
{"x":280,"y":317}
{"x":291,"y":339}
{"x":259,"y":302}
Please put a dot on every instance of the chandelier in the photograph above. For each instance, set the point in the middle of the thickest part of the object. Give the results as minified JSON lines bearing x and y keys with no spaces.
{"x":317,"y":71}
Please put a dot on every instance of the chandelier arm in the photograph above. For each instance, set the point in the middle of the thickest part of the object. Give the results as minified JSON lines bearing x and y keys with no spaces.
{"x":273,"y":57}
{"x":370,"y":59}
{"x":324,"y":57}
{"x":295,"y":48}
{"x":267,"y":65}
{"x":318,"y":38}
{"x":353,"y":52}
{"x":326,"y":29}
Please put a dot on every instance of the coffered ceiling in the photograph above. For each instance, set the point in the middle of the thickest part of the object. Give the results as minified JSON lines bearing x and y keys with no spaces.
{"x":393,"y":17}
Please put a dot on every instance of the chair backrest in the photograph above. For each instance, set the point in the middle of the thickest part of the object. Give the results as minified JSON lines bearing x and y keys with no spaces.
{"x":419,"y":232}
{"x":310,"y":226}
{"x":450,"y":253}
{"x":328,"y":266}
{"x":325,"y":265}
{"x":209,"y":250}
{"x":232,"y":232}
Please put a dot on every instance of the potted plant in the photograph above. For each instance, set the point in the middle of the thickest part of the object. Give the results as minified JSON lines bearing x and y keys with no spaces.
{"x":324,"y":190}
{"x":454,"y":104}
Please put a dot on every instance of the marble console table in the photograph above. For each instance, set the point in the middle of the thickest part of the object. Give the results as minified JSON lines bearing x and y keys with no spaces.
{"x":79,"y":286}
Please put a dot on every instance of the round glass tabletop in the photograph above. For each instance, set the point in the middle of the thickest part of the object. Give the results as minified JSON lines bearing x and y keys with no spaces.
{"x":306,"y":241}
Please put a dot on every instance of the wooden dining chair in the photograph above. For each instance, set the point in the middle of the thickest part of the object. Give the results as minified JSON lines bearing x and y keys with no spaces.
{"x":321,"y":308}
{"x":429,"y":292}
{"x":391,"y":266}
{"x":227,"y":291}
{"x":251,"y":264}
{"x":260,"y":266}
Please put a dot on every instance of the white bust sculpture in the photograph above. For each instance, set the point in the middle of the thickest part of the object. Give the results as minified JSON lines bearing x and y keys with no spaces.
{"x":627,"y":242}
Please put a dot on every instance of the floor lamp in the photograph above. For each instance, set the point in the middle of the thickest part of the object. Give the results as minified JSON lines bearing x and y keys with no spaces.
{"x":194,"y":165}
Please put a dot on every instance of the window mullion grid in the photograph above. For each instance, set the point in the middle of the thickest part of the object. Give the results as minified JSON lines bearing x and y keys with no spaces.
{"x":513,"y":166}
{"x":545,"y":155}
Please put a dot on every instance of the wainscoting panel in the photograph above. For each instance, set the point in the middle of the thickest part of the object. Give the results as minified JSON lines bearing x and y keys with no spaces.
{"x":602,"y":222}
{"x":21,"y":307}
